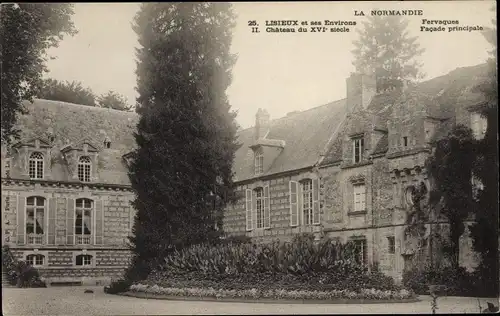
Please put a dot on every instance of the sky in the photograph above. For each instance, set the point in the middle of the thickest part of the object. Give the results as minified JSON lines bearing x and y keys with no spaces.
{"x":280,"y":72}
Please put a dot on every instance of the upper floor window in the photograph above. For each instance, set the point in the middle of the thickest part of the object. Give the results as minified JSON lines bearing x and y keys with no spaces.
{"x":35,"y":260}
{"x":84,"y":167}
{"x":359,"y":197}
{"x":83,"y":220}
{"x":307,"y":201}
{"x":36,"y":166}
{"x":259,"y":204}
{"x":478,"y":125}
{"x":83,"y":260}
{"x":405,"y":141}
{"x":259,"y":161}
{"x":35,"y":213}
{"x":358,"y":145}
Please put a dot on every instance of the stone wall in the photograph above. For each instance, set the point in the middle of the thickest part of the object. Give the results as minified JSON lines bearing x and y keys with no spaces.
{"x":110,"y":255}
{"x":234,"y":217}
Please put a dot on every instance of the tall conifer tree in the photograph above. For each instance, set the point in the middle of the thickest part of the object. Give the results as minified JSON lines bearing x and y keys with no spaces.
{"x":385,"y":48}
{"x":181,"y":171}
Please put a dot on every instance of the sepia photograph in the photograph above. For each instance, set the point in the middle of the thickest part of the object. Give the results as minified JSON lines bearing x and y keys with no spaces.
{"x":236,"y":158}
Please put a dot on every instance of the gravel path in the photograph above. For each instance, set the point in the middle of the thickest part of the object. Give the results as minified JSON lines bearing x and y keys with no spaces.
{"x":72,"y":301}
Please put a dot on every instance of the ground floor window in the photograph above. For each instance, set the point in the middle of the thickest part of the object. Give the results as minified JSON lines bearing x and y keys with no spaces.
{"x":83,"y":260}
{"x":361,"y":251}
{"x":35,"y":260}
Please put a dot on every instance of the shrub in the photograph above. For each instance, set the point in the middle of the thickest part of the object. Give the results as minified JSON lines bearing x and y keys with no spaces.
{"x":118,"y":286}
{"x":19,"y":272}
{"x":9,"y":264}
{"x":458,"y":282}
{"x":27,"y":275}
{"x":302,"y":256}
{"x":302,"y":264}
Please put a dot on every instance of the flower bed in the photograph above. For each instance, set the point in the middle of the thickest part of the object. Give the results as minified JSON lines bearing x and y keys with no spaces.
{"x":274,"y":294}
{"x":300,"y":270}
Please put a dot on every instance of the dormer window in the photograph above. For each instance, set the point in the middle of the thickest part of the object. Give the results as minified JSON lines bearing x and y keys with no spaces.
{"x":84,"y":167}
{"x":358,"y":147}
{"x":36,"y":166}
{"x":107,"y":143}
{"x":259,"y":161}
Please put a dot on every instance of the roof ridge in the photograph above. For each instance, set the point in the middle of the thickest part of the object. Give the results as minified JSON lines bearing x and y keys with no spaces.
{"x":94,"y":108}
{"x":298,"y":112}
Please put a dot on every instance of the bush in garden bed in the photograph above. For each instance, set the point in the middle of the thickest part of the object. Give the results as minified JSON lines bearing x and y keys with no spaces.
{"x":19,"y":272}
{"x":299,"y":265}
{"x":458,"y":282}
{"x":302,"y":256}
{"x":254,"y":293}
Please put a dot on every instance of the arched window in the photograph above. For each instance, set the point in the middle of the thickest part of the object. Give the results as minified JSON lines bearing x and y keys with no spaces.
{"x":83,"y":260}
{"x":35,"y":260}
{"x":84,"y":167}
{"x":307,"y":201}
{"x":259,"y":161}
{"x":259,"y":205}
{"x":35,"y":214}
{"x":83,"y":219}
{"x":36,"y":166}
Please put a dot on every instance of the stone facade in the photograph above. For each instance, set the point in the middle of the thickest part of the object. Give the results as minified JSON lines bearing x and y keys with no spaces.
{"x":91,"y":248}
{"x":367,"y":165}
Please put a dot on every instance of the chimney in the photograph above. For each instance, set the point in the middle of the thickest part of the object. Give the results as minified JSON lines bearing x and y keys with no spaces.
{"x":361,"y":88}
{"x":261,"y":124}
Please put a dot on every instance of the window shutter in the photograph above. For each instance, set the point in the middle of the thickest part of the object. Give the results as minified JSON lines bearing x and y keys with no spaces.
{"x":294,"y":216}
{"x":267,"y":208}
{"x":248,"y":204}
{"x":315,"y":189}
{"x":362,"y":196}
{"x":21,"y":225}
{"x":51,"y":236}
{"x":99,"y":223}
{"x":70,"y":222}
{"x":300,"y":203}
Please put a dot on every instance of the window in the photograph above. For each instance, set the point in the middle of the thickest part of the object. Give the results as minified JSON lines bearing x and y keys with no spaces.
{"x":307,"y":201}
{"x":83,"y":220}
{"x":359,"y":197}
{"x":84,"y":164}
{"x":259,"y":193}
{"x":83,"y":260}
{"x":35,"y":260}
{"x":405,"y":141}
{"x":107,"y":143}
{"x":359,"y":145}
{"x":391,"y":242}
{"x":259,"y":161}
{"x":361,"y":251}
{"x":478,"y":125}
{"x":35,"y":213}
{"x":36,"y":166}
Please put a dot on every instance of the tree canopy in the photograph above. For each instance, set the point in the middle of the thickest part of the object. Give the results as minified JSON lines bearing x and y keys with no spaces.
{"x":72,"y":92}
{"x":27,"y":30}
{"x":113,"y":100}
{"x":385,"y":49}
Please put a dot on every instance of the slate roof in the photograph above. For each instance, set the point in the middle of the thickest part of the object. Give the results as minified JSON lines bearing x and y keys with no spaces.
{"x":305,"y":133}
{"x":72,"y":123}
{"x":440,"y":97}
